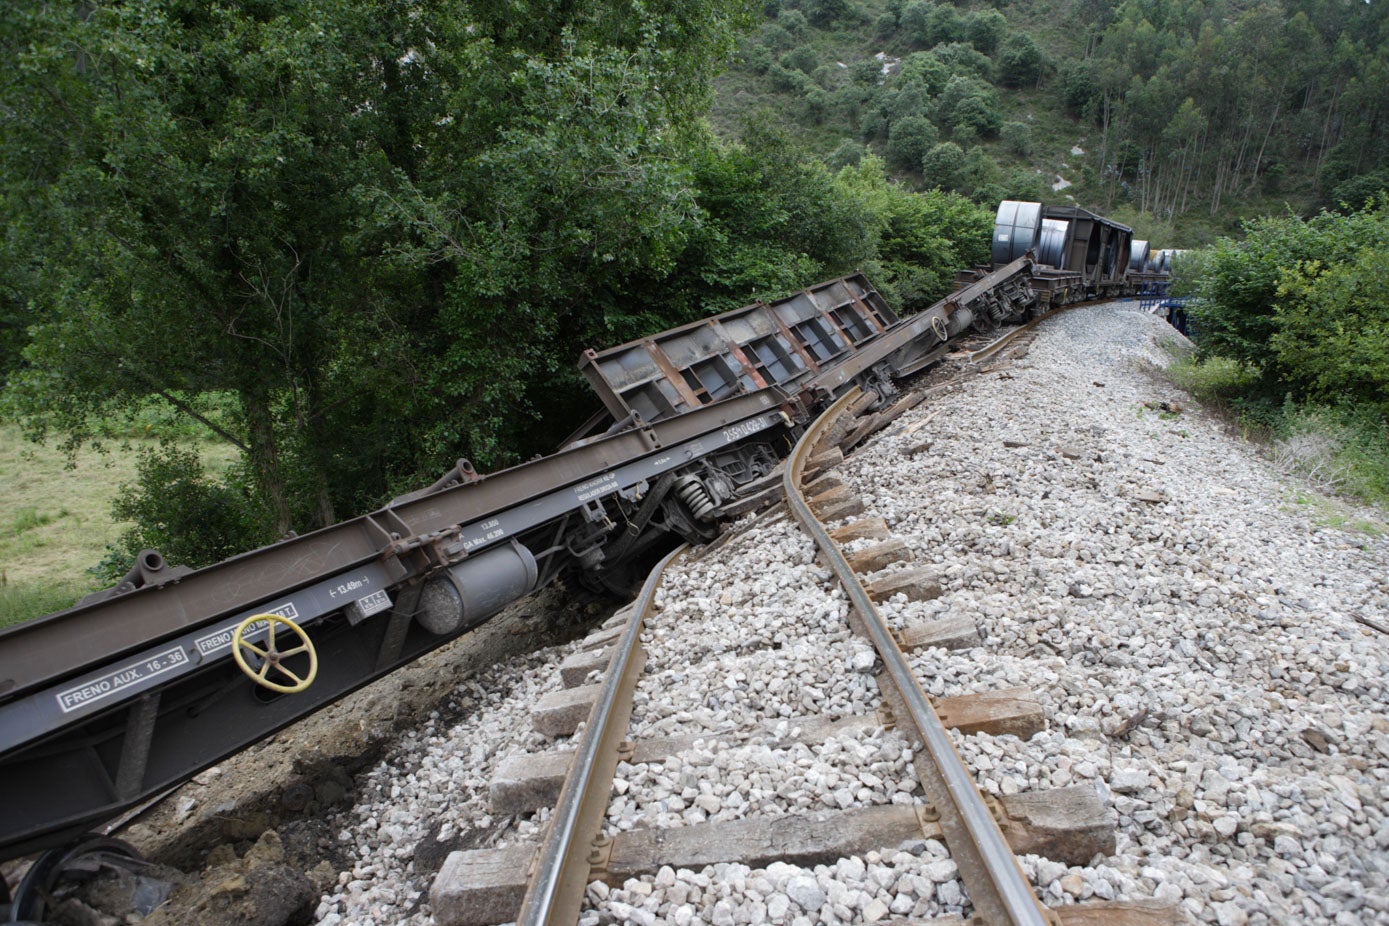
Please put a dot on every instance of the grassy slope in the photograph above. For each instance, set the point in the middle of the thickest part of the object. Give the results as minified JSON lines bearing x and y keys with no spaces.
{"x":55,"y":521}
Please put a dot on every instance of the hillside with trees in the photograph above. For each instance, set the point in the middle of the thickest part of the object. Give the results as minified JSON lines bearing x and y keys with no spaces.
{"x":1179,"y":116}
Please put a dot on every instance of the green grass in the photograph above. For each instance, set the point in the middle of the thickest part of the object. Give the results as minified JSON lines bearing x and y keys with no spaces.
{"x":19,"y":603}
{"x":1340,"y":452}
{"x":55,"y":518}
{"x":1333,"y":513}
{"x":1336,"y":451}
{"x":1216,"y":380}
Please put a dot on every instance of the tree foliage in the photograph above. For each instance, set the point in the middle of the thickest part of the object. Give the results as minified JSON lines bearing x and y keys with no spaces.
{"x":1198,"y":101}
{"x":922,"y":238}
{"x":1303,"y":304}
{"x":190,"y":517}
{"x":343,"y":214}
{"x":1186,"y":106}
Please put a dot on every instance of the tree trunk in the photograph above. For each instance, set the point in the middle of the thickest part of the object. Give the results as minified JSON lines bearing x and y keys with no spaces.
{"x":309,"y":426}
{"x":265,"y":456}
{"x":1254,"y":175}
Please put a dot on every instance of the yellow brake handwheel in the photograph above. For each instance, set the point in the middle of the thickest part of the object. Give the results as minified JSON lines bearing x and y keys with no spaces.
{"x":271,"y":657}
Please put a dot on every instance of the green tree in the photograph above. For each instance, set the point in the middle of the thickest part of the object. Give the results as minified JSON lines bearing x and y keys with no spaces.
{"x":984,"y":29}
{"x":943,"y":25}
{"x":1333,"y":327}
{"x":944,"y":165}
{"x":1017,"y":138}
{"x":914,"y":22}
{"x":1238,"y":292}
{"x":926,"y":70}
{"x":1021,"y":62}
{"x":823,"y":13}
{"x":847,"y":154}
{"x":178,"y":509}
{"x":969,"y":102}
{"x":341,"y":213}
{"x":960,"y":58}
{"x":908,"y":140}
{"x":922,"y":238}
{"x":800,"y":59}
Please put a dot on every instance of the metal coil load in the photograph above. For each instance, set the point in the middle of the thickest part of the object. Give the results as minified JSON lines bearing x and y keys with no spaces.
{"x":1051,"y":243}
{"x":1138,"y":255}
{"x":1015,"y":230}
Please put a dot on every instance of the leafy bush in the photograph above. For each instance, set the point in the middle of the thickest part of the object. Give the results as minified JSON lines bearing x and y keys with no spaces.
{"x":926,"y":70}
{"x":847,"y":154}
{"x":906,"y":99}
{"x":1332,"y":337}
{"x":967,"y":101}
{"x":984,"y":29}
{"x":1017,"y":138}
{"x":1293,"y":323}
{"x":828,"y":77}
{"x":944,"y":166}
{"x":190,"y":518}
{"x":824,"y":12}
{"x":943,"y":24}
{"x":1356,"y":192}
{"x":965,"y":135}
{"x":913,"y":22}
{"x":873,"y":125}
{"x":817,"y":104}
{"x":1022,"y":63}
{"x":776,"y":37}
{"x":1079,"y":87}
{"x":759,"y":58}
{"x":794,"y":22}
{"x":788,"y":80}
{"x":1268,"y":286}
{"x":908,"y":140}
{"x":801,"y":59}
{"x":958,"y":58}
{"x":923,"y":237}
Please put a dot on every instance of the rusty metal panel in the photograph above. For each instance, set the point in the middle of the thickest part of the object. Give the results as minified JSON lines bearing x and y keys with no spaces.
{"x":738,"y":352}
{"x":747,"y":324}
{"x":1096,"y":246}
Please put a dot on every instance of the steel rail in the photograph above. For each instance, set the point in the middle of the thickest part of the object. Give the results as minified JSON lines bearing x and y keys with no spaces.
{"x":564,"y":860}
{"x":995,"y":883}
{"x":988,"y":351}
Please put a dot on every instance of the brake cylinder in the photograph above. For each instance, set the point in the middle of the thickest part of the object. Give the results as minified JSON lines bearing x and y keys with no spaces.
{"x":468,"y":593}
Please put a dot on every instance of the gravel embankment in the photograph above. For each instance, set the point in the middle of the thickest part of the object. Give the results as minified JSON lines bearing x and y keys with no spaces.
{"x":1144,"y":574}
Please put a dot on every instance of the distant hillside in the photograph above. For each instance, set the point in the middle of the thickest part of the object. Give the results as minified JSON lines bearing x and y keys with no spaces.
{"x":1181,"y":117}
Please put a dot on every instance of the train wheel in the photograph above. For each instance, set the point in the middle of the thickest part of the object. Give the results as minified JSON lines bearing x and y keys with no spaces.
{"x":80,"y":861}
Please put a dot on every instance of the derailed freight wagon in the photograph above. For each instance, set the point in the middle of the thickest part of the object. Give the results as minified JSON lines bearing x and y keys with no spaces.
{"x":1079,"y":255}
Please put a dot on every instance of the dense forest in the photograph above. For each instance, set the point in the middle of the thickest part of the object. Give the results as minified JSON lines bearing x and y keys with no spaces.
{"x":1181,"y":116}
{"x":358,"y":239}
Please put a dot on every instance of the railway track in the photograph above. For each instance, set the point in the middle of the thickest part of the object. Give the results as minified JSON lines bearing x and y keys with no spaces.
{"x":186,"y":669}
{"x":923,"y":795}
{"x":1086,"y":635}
